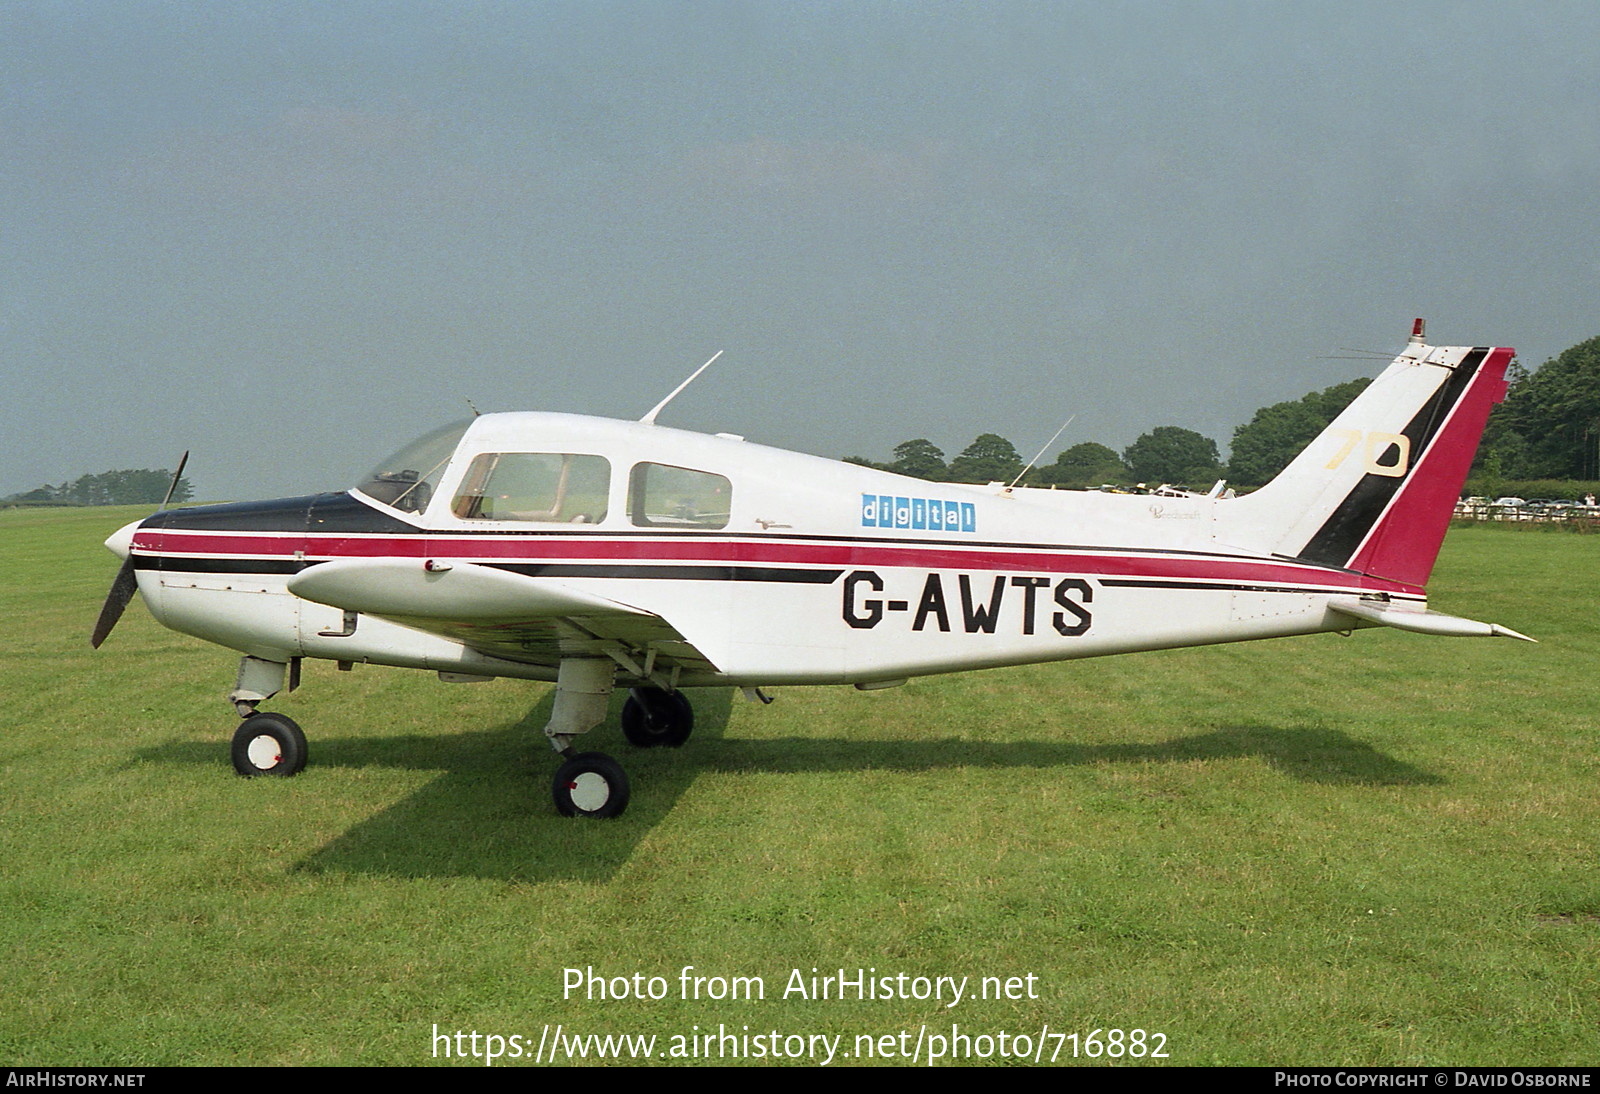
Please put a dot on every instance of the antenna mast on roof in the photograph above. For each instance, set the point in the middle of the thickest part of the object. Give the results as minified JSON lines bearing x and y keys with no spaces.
{"x":1035,"y":459}
{"x":650,"y":418}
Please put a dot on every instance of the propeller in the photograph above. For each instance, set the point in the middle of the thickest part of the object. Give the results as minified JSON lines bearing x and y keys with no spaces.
{"x":126,"y":583}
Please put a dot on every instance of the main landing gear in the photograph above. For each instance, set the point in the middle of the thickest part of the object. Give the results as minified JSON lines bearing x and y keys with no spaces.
{"x":592,"y":784}
{"x":652,"y":717}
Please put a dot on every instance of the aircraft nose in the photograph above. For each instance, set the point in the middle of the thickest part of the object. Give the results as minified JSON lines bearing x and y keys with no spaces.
{"x":120,"y":542}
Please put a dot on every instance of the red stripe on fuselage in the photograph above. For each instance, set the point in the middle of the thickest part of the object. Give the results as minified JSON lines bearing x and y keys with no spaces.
{"x":855,"y":555}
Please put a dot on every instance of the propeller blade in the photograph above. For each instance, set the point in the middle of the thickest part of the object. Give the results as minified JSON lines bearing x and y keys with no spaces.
{"x":122,"y":590}
{"x":172,"y":487}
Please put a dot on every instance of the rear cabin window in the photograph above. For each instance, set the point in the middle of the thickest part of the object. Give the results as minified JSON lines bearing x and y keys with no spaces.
{"x":661,"y":496}
{"x":550,"y":487}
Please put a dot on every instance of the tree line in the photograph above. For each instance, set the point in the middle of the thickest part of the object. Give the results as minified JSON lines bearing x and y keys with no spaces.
{"x":1166,"y":454}
{"x":124,"y":487}
{"x":1548,"y":427}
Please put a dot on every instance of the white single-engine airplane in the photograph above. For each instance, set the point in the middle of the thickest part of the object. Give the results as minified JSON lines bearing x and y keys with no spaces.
{"x":594,"y":552}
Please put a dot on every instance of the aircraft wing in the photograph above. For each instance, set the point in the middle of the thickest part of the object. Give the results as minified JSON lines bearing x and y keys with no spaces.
{"x":1420,"y":620}
{"x":508,"y":615}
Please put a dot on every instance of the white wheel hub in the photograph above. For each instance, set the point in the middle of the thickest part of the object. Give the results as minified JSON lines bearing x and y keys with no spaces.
{"x":265,"y":752}
{"x":589,"y":791}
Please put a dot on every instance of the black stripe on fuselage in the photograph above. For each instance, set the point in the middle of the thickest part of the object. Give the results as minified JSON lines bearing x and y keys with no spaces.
{"x":1224,"y":586}
{"x":671,"y":572}
{"x":177,"y":564}
{"x":1335,"y":543}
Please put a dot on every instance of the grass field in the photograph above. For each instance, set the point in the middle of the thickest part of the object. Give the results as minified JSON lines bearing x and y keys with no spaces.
{"x":1370,"y":850}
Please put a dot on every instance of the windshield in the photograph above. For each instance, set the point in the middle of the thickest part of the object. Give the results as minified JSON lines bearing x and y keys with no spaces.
{"x":406,"y":479}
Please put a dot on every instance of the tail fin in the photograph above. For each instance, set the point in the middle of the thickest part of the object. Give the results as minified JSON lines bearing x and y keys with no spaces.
{"x":1374,"y":492}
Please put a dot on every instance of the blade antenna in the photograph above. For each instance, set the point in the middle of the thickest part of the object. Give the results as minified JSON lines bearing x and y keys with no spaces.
{"x":650,"y":418}
{"x":1041,"y":452}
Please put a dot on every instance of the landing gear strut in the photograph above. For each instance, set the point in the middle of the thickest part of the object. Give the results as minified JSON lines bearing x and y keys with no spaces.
{"x":592,"y":784}
{"x":587,"y":784}
{"x":265,"y":744}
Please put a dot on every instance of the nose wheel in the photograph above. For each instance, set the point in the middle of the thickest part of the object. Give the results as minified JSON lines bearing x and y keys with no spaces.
{"x":268,"y":744}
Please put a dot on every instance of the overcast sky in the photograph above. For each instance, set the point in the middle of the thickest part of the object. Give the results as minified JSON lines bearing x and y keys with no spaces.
{"x":291,"y":236}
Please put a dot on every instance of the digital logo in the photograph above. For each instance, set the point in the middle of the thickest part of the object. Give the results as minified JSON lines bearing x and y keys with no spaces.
{"x":918,"y":514}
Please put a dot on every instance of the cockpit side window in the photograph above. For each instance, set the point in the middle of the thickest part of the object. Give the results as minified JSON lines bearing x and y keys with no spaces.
{"x":549,"y":487}
{"x":406,"y":480}
{"x":663,"y":496}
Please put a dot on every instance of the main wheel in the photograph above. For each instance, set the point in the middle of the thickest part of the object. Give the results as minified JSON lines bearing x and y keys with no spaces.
{"x":268,"y":744}
{"x":653,"y":717}
{"x":591,"y":784}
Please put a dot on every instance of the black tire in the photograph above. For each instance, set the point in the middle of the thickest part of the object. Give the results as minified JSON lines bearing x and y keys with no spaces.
{"x":652,"y":718}
{"x":591,"y":784}
{"x":269,"y":744}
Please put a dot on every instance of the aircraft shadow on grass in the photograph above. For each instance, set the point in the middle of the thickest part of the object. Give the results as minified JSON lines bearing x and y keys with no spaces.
{"x":487,"y":815}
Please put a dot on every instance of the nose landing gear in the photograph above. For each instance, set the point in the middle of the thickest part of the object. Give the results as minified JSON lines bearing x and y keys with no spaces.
{"x":265,"y":744}
{"x":269,"y":744}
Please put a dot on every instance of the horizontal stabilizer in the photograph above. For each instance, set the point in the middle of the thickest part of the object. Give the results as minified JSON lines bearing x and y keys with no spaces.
{"x":1421,"y":620}
{"x":454,"y":590}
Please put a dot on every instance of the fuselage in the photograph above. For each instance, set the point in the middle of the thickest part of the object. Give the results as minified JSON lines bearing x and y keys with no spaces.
{"x":764,"y":566}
